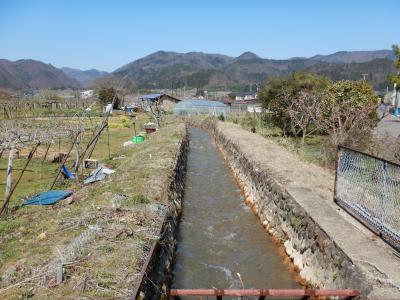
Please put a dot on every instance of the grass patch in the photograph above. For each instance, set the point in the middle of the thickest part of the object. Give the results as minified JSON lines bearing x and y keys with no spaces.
{"x":35,"y":235}
{"x":311,"y":151}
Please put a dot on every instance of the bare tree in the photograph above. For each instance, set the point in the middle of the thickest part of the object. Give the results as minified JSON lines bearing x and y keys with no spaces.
{"x":154,"y":108}
{"x":302,"y":111}
{"x":344,"y":120}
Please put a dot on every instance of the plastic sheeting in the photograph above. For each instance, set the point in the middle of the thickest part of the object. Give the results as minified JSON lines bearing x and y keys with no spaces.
{"x":48,"y":198}
{"x":99,"y":174}
{"x":67,"y":173}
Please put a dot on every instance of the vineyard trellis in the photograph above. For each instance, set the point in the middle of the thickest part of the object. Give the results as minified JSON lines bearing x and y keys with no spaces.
{"x":22,"y":133}
{"x":28,"y":108}
{"x":368,"y":188}
{"x":16,"y":135}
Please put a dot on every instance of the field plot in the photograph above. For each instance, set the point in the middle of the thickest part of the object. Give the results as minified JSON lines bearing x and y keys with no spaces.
{"x":94,"y":242}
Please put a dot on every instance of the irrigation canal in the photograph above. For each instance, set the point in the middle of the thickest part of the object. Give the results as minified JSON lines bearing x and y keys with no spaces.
{"x":219,"y":237}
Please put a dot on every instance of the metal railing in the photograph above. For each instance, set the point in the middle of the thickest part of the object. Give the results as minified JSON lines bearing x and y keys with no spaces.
{"x":263,"y":293}
{"x":368,"y":188}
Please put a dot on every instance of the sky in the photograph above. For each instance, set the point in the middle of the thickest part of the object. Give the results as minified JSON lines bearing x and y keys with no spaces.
{"x":105,"y":35}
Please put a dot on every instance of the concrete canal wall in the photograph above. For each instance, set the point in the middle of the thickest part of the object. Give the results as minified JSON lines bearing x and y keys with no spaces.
{"x":156,"y":271}
{"x":328,"y":250}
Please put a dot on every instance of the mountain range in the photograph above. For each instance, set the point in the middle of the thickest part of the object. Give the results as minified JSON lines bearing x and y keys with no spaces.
{"x":84,"y":77}
{"x":354,"y":56}
{"x":28,"y":74}
{"x":164,"y":69}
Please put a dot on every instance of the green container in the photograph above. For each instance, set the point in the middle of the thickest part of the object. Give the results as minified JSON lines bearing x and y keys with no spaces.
{"x":138,"y":139}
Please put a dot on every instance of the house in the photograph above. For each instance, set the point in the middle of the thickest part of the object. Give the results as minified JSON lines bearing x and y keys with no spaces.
{"x":393,"y":99}
{"x":252,"y":106}
{"x":245,"y":96}
{"x":86,"y":94}
{"x":108,"y":108}
{"x":167,"y":101}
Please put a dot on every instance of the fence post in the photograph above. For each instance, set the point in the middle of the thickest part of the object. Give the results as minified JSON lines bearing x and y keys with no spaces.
{"x":336,"y":172}
{"x":10,"y":193}
{"x":383,"y":195}
{"x":9,"y":173}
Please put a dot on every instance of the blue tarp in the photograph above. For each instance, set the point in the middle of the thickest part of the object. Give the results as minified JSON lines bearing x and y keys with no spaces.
{"x":48,"y":198}
{"x":67,"y":173}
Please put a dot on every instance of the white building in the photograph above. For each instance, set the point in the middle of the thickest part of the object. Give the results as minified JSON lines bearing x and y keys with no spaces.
{"x":86,"y":94}
{"x":245,"y":96}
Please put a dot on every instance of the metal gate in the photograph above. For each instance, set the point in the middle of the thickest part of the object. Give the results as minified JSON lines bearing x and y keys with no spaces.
{"x":368,"y":188}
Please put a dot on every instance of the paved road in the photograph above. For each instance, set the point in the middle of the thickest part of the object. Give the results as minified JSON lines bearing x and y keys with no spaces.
{"x":390,"y":125}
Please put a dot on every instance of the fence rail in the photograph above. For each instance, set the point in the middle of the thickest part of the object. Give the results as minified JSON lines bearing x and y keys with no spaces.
{"x":368,"y":187}
{"x":262,"y":294}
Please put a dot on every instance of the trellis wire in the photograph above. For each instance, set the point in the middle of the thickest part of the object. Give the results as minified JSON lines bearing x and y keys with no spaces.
{"x":368,"y":187}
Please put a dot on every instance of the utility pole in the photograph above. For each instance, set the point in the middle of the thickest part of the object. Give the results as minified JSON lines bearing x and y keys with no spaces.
{"x":364,"y":75}
{"x":396,"y":100}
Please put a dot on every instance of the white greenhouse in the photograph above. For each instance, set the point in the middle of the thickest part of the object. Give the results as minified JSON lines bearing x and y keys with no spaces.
{"x":199,"y":107}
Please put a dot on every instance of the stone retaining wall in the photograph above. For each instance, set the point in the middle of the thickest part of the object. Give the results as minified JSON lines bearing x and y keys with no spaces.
{"x":157,"y":269}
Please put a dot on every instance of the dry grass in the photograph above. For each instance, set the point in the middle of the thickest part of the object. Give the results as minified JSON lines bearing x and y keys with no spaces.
{"x":101,"y":237}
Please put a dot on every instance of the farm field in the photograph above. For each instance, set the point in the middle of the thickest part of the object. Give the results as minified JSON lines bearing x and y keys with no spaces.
{"x":90,"y":232}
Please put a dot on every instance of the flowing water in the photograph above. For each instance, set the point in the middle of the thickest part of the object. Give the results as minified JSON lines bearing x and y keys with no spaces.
{"x":219,"y":237}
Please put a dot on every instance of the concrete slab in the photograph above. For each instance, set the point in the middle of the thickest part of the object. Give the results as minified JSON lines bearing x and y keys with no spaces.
{"x":312,"y":187}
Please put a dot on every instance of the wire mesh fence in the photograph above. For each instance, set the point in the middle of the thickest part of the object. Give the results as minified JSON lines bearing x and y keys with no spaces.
{"x":369,"y":188}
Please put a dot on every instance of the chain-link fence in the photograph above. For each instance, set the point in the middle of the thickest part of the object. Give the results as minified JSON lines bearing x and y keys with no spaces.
{"x":369,"y":188}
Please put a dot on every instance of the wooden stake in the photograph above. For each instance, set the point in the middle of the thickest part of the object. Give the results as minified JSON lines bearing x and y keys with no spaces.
{"x":64,"y":160}
{"x":45,"y":154}
{"x":108,"y":142}
{"x":9,"y":174}
{"x":78,"y":150}
{"x":103,"y":124}
{"x":96,"y":138}
{"x":8,"y":196}
{"x":88,"y":146}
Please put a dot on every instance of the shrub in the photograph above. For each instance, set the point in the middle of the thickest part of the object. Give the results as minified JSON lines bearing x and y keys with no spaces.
{"x":125,"y":122}
{"x":248,"y":121}
{"x":280,"y":96}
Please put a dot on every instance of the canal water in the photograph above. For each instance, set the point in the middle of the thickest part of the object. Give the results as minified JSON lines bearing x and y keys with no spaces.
{"x":220,"y":242}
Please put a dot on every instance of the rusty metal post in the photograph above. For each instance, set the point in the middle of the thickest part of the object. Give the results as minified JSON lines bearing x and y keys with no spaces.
{"x":265,"y":293}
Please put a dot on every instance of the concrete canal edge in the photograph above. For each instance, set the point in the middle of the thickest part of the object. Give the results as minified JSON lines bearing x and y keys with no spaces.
{"x":319,"y":258}
{"x":155,"y":275}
